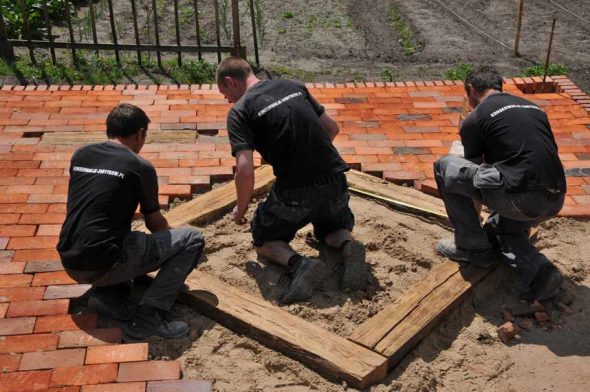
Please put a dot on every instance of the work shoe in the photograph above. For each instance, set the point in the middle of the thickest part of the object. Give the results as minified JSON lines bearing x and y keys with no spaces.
{"x":355,"y":270}
{"x":108,"y":305}
{"x":546,"y":284}
{"x":148,"y":322}
{"x":484,"y":258}
{"x":304,"y":281}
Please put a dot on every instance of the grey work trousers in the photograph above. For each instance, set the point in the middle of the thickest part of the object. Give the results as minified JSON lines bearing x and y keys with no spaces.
{"x":174,"y":252}
{"x":460,"y":182}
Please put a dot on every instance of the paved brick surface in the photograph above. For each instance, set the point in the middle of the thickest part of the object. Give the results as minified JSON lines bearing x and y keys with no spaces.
{"x":392,"y":130}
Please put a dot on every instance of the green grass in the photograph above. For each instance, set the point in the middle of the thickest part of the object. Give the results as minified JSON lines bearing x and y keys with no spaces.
{"x":192,"y":72}
{"x":552,"y":69}
{"x":282,"y":30}
{"x":405,"y":32}
{"x":458,"y":72}
{"x":288,"y":15}
{"x":387,"y":75}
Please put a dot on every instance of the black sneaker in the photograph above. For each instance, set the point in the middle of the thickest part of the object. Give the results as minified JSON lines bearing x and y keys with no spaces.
{"x":485,"y":258}
{"x":108,"y":306}
{"x":148,"y":322}
{"x":355,"y":270}
{"x":304,"y":281}
{"x":547,"y":283}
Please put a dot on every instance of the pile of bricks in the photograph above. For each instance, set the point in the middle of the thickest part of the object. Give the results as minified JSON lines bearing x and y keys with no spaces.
{"x":392,"y":130}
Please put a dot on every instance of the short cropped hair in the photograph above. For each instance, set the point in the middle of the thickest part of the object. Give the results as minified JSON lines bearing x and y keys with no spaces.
{"x":233,"y":67}
{"x":126,"y":120}
{"x":484,"y":78}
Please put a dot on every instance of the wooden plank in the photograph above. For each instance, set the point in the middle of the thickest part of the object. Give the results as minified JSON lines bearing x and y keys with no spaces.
{"x":372,"y":331}
{"x":216,"y":201}
{"x":406,"y":198}
{"x":79,"y":138}
{"x":330,"y":355}
{"x":429,"y":312}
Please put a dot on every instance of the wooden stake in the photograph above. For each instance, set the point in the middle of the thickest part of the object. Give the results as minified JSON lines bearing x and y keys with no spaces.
{"x":518,"y":26}
{"x":549,"y":51}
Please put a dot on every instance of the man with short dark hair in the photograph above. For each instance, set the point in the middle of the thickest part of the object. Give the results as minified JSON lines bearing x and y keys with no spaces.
{"x":512,"y":166}
{"x":293,"y":133}
{"x":96,"y":245}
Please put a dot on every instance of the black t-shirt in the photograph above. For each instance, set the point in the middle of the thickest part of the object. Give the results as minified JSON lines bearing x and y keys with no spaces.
{"x":281,"y":120}
{"x":107,"y":181}
{"x":515,"y":136}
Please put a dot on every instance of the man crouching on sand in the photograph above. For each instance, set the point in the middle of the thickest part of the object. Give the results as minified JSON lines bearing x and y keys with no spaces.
{"x":292,"y":132}
{"x":96,"y":245}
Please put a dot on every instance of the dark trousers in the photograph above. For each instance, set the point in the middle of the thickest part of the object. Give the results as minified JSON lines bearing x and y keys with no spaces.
{"x":460,"y":182}
{"x":175,"y":253}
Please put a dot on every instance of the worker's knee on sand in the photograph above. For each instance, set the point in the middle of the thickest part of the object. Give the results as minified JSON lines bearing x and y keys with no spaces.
{"x":191,"y":239}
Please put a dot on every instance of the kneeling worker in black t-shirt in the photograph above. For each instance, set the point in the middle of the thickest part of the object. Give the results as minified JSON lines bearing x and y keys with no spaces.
{"x":292,"y":132}
{"x":107,"y":182}
{"x":512,"y":166}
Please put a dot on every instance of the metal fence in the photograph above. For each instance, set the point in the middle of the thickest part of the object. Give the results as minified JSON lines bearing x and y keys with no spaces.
{"x":27,"y":39}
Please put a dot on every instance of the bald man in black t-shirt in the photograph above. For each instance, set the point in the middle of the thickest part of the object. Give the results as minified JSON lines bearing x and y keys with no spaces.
{"x":293,"y":133}
{"x":96,"y":245}
{"x":511,"y":165}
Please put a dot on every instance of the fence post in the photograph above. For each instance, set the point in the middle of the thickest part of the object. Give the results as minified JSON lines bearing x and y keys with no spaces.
{"x":6,"y":50}
{"x":235,"y":11}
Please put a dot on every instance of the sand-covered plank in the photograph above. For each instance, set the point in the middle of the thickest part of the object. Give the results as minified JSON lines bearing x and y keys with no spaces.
{"x":331,"y":355}
{"x":81,"y":138}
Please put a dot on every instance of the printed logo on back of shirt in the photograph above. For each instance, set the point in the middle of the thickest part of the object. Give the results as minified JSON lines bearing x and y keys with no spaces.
{"x":279,"y":102}
{"x":508,"y":107}
{"x":90,"y":170}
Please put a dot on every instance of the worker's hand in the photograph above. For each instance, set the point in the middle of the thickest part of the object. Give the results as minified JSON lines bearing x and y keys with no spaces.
{"x":239,"y":216}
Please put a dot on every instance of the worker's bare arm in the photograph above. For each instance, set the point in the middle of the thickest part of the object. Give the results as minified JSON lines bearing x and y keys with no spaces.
{"x":329,"y":125}
{"x":156,"y":222}
{"x":244,"y":183}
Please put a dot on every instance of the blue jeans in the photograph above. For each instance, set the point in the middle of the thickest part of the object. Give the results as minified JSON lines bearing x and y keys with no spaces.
{"x":460,"y":182}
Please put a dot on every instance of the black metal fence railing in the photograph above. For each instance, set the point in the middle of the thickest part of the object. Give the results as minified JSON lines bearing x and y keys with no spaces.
{"x":30,"y":39}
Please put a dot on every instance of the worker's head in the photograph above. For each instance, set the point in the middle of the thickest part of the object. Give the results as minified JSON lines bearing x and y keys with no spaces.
{"x":480,"y":81}
{"x":128,"y":124}
{"x":232,"y":76}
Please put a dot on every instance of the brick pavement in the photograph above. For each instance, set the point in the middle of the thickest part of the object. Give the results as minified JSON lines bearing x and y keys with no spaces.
{"x":392,"y":130}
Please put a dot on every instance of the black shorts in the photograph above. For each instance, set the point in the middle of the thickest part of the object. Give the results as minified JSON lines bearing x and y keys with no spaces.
{"x":284,"y":212}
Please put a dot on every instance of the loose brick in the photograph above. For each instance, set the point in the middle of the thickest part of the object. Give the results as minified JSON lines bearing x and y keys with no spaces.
{"x":526,"y":324}
{"x":52,"y":359}
{"x":149,"y":371}
{"x":84,"y":375}
{"x":118,"y":353}
{"x":9,"y":362}
{"x":28,"y":343}
{"x":24,"y":381}
{"x":44,"y":266}
{"x":90,"y":337}
{"x":66,"y":291}
{"x":11,"y":268}
{"x":21,"y":294}
{"x":66,"y":322}
{"x":38,"y":308}
{"x":179,"y":386}
{"x":507,"y":332}
{"x":52,"y":278}
{"x":15,"y":280}
{"x":118,"y":387}
{"x":16,"y":326}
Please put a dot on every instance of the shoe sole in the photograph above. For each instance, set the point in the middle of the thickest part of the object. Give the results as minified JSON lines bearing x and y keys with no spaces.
{"x":355,"y":271}
{"x":464,"y":259}
{"x":302,"y":292}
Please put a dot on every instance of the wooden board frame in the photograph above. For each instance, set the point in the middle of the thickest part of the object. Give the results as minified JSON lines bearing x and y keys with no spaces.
{"x":375,"y":346}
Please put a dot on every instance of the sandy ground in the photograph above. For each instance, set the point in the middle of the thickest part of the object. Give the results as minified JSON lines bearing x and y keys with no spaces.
{"x":462,"y":354}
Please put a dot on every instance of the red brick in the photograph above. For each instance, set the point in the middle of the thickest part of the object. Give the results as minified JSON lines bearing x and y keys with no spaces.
{"x":41,"y":218}
{"x":3,"y":310}
{"x":9,"y":362}
{"x":7,"y":219}
{"x":83,"y":375}
{"x":47,"y":198}
{"x":66,"y":291}
{"x":24,"y":381}
{"x":48,"y":230}
{"x":28,"y":343}
{"x":17,"y":230}
{"x":33,"y":243}
{"x":52,"y":359}
{"x":21,"y":294}
{"x":117,"y":353}
{"x":44,"y":266}
{"x":118,"y":387}
{"x":52,"y":278}
{"x":11,"y":268}
{"x":3,"y":244}
{"x":38,"y":308}
{"x":95,"y":337}
{"x":149,"y":371}
{"x":66,"y":322}
{"x":63,"y":389}
{"x":175,"y":190}
{"x":16,"y":326}
{"x":15,"y":280}
{"x":179,"y":386}
{"x":30,"y":188}
{"x":36,"y":254}
{"x":506,"y":332}
{"x":25,"y":208}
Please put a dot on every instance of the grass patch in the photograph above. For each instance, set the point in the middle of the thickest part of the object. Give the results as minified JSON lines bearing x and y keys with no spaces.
{"x":288,"y":15}
{"x":405,"y":32}
{"x":539,"y":70}
{"x":458,"y":72}
{"x":192,"y":72}
{"x":282,"y":30}
{"x":387,"y":75}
